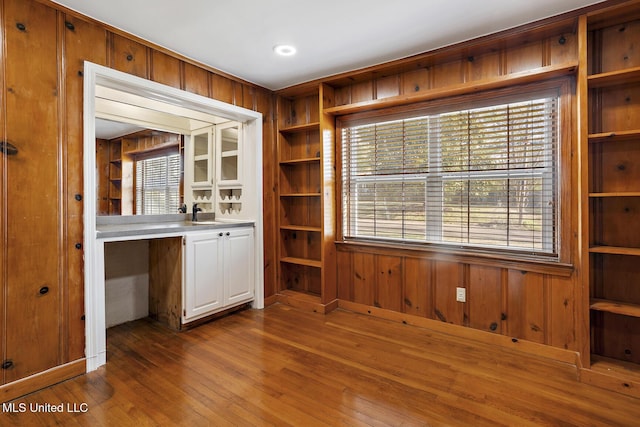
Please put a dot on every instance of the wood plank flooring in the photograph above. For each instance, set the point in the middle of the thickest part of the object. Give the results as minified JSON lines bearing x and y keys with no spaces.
{"x":285,"y":367}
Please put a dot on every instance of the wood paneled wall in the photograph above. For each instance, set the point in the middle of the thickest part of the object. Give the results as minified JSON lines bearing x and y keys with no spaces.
{"x":557,"y":49}
{"x":523,"y":301}
{"x":42,"y":58}
{"x":518,"y":303}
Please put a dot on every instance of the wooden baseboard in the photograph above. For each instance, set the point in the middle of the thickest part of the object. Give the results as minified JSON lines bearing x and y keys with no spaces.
{"x":306,"y":302}
{"x":270,"y":300}
{"x":42,"y":379}
{"x":611,"y":374}
{"x":531,"y":348}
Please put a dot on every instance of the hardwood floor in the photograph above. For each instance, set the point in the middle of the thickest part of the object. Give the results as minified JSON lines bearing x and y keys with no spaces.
{"x":285,"y":367}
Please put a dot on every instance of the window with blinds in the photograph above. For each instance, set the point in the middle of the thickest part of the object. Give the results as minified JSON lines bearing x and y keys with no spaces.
{"x":483,"y":177}
{"x":158,"y":185}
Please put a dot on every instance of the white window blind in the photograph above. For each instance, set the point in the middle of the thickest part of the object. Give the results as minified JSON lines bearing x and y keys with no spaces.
{"x":480,"y":178}
{"x":158,"y":185}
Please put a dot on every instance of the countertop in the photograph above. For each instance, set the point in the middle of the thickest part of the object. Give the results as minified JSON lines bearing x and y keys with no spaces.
{"x":108,"y":227}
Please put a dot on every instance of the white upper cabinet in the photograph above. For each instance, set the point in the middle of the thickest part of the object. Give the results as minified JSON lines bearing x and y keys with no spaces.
{"x":201,"y":157}
{"x":229,"y":154}
{"x":214,"y":169}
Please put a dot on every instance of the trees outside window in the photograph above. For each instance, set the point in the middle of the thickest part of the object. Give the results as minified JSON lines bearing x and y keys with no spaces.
{"x":481,"y":177}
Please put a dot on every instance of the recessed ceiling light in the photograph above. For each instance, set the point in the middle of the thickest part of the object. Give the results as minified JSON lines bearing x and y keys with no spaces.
{"x":284,"y":50}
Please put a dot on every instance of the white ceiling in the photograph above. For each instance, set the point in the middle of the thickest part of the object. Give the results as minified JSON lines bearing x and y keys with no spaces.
{"x":331,"y":36}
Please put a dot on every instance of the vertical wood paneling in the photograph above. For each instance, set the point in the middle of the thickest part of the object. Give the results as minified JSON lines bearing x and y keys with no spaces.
{"x":483,"y":66}
{"x":362,"y":92}
{"x":344,"y":263}
{"x":389,"y":283}
{"x":625,"y":38}
{"x":343,"y":95}
{"x":265,"y":104}
{"x":3,"y":194}
{"x":484,"y":297}
{"x":562,"y":306}
{"x":526,"y":306}
{"x":248,"y":96}
{"x":84,"y":41}
{"x":165,"y":69}
{"x":196,"y":80}
{"x":33,"y":215}
{"x":165,"y":280}
{"x":301,"y":112}
{"x":364,"y":278}
{"x":447,"y":277}
{"x":524,"y":58}
{"x":417,"y":287}
{"x":563,"y":49}
{"x":222,"y":89}
{"x":387,"y":86}
{"x":447,"y":74}
{"x":129,"y":56}
{"x":619,"y":108}
{"x":42,"y":104}
{"x":415,"y":81}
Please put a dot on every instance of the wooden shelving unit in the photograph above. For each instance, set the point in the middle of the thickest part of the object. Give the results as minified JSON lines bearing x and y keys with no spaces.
{"x":306,"y":249}
{"x":115,"y":177}
{"x":613,"y":144}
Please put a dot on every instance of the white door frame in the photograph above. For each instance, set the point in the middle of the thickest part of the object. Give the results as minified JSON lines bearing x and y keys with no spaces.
{"x":94,"y":291}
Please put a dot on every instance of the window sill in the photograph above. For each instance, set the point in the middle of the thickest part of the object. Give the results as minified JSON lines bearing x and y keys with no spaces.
{"x":461,"y":255}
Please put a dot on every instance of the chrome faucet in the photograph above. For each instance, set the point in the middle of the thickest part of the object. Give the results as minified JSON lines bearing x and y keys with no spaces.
{"x":194,"y":212}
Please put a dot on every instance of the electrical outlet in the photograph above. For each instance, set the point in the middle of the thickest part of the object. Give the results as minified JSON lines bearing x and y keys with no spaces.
{"x":461,"y":294}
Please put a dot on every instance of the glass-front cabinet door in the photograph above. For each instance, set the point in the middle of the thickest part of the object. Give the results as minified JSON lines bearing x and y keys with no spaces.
{"x":202,"y":157}
{"x":229,"y":154}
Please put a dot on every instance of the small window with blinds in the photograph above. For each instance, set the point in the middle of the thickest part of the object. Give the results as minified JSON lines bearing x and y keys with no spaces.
{"x":478,"y":178}
{"x":158,"y":185}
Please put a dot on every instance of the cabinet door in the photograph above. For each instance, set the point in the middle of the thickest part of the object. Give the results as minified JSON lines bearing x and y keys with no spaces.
{"x":239,"y":264}
{"x":200,"y":166}
{"x":229,"y":154}
{"x":203,"y":285}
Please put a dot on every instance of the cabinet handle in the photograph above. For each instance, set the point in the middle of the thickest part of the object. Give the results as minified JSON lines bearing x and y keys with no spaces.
{"x":8,"y":148}
{"x":7,"y":364}
{"x":220,"y":234}
{"x":228,"y":234}
{"x":44,"y":290}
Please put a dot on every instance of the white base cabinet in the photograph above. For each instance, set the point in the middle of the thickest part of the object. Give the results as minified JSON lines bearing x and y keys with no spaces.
{"x":218,"y":271}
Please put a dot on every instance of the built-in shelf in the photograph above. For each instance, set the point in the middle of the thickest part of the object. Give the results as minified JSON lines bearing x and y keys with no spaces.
{"x":300,"y":195}
{"x":614,"y":78}
{"x":302,"y":261}
{"x":509,"y":80}
{"x":300,"y":228}
{"x":616,"y":194}
{"x":300,"y":161}
{"x":616,"y":136}
{"x":615,"y":307}
{"x":615,"y":250}
{"x":300,"y":128}
{"x":614,"y":366}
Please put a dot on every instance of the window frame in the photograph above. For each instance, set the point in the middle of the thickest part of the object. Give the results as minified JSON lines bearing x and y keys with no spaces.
{"x":563,"y":188}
